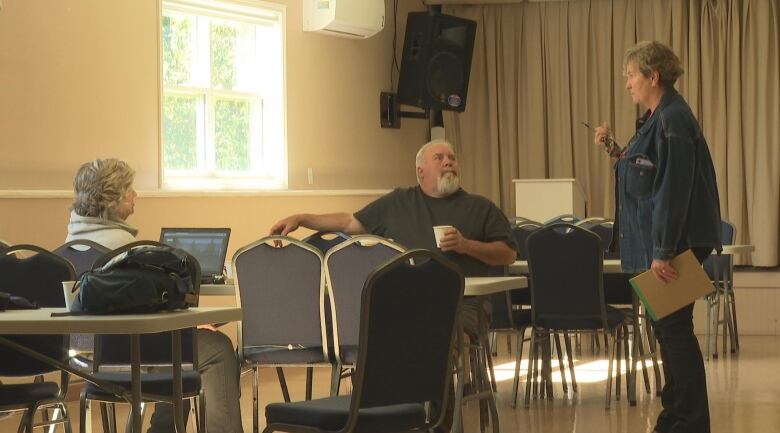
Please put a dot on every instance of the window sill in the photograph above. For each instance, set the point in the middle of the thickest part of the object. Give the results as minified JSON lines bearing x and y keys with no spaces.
{"x":165,"y":193}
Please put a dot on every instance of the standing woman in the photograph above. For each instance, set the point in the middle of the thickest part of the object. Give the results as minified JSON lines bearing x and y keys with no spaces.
{"x":667,"y":202}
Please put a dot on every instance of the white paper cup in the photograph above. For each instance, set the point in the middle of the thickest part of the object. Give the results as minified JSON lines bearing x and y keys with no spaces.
{"x":438,"y":232}
{"x":70,"y":295}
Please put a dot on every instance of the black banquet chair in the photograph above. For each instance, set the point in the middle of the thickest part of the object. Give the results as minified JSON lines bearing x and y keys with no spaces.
{"x":112,"y":360}
{"x":567,"y":293}
{"x":81,"y":253}
{"x":407,"y":331}
{"x":38,"y":278}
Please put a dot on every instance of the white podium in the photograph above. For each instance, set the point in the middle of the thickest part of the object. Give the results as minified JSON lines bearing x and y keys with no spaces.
{"x":542,"y":199}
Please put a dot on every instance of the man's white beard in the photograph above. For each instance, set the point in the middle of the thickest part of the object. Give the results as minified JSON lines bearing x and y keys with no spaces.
{"x":447,"y":183}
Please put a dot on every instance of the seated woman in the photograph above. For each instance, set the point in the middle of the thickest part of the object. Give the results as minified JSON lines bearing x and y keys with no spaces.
{"x":104,"y":198}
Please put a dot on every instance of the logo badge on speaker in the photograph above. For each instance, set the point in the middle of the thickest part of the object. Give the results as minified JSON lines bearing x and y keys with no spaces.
{"x":454,"y":101}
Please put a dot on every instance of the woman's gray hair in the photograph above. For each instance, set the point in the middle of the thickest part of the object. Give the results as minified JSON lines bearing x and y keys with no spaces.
{"x":100,"y":186}
{"x":419,"y":158}
{"x":655,"y":56}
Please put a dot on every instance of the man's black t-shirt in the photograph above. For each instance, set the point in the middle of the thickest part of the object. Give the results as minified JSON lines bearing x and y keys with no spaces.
{"x":407,"y":215}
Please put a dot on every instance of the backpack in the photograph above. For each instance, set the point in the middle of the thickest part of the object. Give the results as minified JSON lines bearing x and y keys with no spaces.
{"x":146,"y":279}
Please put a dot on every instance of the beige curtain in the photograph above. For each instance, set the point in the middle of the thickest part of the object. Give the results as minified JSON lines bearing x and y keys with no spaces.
{"x":540,"y":68}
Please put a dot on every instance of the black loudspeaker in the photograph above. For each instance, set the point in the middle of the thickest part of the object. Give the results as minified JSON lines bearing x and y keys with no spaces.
{"x":436,"y":61}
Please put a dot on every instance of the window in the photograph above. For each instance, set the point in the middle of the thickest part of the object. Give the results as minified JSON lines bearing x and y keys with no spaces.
{"x":223,"y":102}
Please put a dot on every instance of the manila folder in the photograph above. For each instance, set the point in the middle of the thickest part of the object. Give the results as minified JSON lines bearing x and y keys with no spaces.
{"x":661,"y":299}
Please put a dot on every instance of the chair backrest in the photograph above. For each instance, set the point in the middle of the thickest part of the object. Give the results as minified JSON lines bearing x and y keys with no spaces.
{"x":280,"y":291}
{"x":521,"y":232}
{"x":566,"y":266}
{"x":324,"y":241}
{"x":346,"y":268}
{"x":81,"y":253}
{"x":728,"y":234}
{"x":603,"y":230}
{"x":407,"y":330}
{"x":565,"y":218}
{"x":38,"y":278}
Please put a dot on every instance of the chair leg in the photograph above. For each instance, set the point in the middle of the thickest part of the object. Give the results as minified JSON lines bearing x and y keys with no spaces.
{"x":255,"y":400}
{"x":309,"y":379}
{"x":561,"y":365}
{"x":653,"y":347}
{"x":618,"y":354}
{"x":202,"y":416}
{"x":610,"y":355}
{"x":112,"y":418}
{"x":567,"y":342}
{"x":518,"y":361}
{"x":532,"y":351}
{"x":83,"y":413}
{"x":65,"y":417}
{"x":491,"y":371}
{"x":733,"y":303}
{"x":283,"y":384}
{"x":335,"y":379}
{"x":627,"y":366}
{"x":22,"y":428}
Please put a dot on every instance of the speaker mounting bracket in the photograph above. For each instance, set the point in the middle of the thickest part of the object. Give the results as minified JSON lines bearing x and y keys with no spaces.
{"x":390,"y":113}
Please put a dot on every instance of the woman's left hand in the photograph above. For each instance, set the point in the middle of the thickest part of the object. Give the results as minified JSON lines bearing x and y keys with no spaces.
{"x":663,"y":270}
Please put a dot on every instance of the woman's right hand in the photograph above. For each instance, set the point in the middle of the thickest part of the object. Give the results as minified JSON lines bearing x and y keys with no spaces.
{"x":602,"y":132}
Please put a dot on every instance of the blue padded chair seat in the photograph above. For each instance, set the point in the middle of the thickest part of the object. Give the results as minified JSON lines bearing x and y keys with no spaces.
{"x":614,"y":318}
{"x":283,"y":355}
{"x":19,"y":394}
{"x":331,"y":414}
{"x":151,"y":383}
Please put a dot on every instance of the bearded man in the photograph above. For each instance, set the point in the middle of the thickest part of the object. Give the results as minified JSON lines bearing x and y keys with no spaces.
{"x":479,"y":239}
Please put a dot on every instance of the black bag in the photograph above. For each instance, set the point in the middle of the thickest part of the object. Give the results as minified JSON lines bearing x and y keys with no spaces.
{"x":145,"y":280}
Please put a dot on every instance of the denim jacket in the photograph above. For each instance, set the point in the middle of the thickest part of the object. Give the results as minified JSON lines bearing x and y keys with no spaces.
{"x":666,"y":195}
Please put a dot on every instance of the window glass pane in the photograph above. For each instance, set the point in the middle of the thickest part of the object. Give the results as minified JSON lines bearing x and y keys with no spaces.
{"x":180,"y":132}
{"x":178,"y":32}
{"x":232,"y":134}
{"x":223,"y":54}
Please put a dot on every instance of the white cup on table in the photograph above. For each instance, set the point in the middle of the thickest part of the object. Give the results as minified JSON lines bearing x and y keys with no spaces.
{"x":438,"y":233}
{"x":69,"y":293}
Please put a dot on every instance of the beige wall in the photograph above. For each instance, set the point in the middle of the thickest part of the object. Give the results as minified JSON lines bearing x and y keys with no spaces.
{"x":79,"y":80}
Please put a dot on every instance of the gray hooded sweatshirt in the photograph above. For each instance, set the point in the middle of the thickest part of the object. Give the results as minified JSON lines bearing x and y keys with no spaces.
{"x":111,"y":233}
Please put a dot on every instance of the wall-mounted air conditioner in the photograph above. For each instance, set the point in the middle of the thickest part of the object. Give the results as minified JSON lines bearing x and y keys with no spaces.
{"x":357,"y":19}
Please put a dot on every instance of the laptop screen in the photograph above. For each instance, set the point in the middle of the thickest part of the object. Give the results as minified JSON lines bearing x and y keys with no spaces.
{"x":207,"y":245}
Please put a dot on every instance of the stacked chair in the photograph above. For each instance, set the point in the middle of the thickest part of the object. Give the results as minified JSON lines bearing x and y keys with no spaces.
{"x":347,"y":266}
{"x":280,"y":286}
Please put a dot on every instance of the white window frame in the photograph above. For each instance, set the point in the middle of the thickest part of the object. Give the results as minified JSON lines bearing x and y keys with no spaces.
{"x":213,"y":179}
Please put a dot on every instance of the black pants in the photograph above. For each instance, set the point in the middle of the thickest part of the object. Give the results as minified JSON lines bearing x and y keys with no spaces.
{"x":684,"y":397}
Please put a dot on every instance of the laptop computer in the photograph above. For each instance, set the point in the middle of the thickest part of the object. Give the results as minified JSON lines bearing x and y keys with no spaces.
{"x":207,"y":245}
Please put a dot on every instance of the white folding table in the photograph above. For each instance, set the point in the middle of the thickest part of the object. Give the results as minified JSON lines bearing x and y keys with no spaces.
{"x":41,"y":321}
